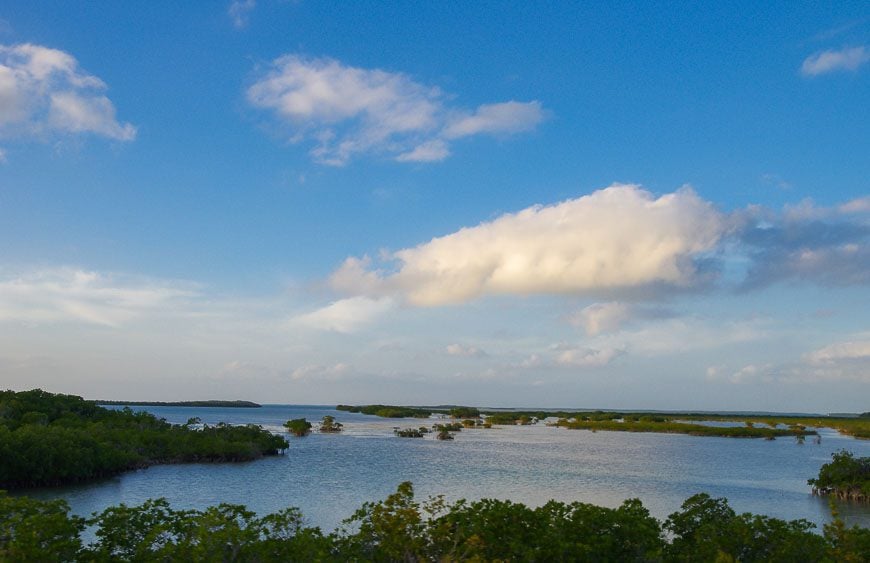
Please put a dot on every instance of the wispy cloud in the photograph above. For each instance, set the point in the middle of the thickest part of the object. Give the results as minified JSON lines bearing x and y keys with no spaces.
{"x":43,"y":92}
{"x":345,"y":315}
{"x":349,"y":111}
{"x":846,"y":59}
{"x":464,"y":351}
{"x":587,"y":357}
{"x":614,"y":239}
{"x":855,"y":350}
{"x":240,"y":11}
{"x":79,"y":296}
{"x":612,"y":316}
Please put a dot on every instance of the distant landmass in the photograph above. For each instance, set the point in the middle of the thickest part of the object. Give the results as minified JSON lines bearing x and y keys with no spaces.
{"x":225,"y":404}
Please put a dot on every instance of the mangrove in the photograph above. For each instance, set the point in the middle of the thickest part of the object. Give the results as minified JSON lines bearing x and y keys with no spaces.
{"x":51,"y":439}
{"x":402,"y":529}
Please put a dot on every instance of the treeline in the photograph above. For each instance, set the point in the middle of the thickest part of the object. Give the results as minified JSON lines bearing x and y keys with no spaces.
{"x":223,"y":404}
{"x":48,"y":439}
{"x":402,"y":529}
{"x":388,"y":411}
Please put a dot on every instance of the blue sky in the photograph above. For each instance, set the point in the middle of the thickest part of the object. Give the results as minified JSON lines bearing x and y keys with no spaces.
{"x":630,"y":206}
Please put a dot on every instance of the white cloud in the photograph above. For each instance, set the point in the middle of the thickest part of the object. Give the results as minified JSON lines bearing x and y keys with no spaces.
{"x":240,"y":11}
{"x":846,"y":59}
{"x":753,"y":373}
{"x":345,"y":315}
{"x":43,"y":91}
{"x":71,"y":295}
{"x":601,"y":317}
{"x":504,"y":118}
{"x":858,"y":205}
{"x":613,"y":316}
{"x":587,"y":357}
{"x":619,"y":238}
{"x":349,"y":111}
{"x":462,"y":351}
{"x":843,"y":351}
{"x":429,"y":151}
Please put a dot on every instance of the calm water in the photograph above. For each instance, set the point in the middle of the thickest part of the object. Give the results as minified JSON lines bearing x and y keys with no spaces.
{"x":329,"y":476}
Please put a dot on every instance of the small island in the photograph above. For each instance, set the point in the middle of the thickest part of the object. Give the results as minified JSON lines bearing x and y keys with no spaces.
{"x":221,"y":404}
{"x":298,"y":427}
{"x":411,"y":432}
{"x":330,"y":426}
{"x":845,"y":477}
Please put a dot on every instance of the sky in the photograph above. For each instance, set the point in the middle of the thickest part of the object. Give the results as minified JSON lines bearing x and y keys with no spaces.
{"x":631,"y":205}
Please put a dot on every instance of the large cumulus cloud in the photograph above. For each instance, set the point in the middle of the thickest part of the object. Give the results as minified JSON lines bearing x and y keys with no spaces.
{"x":618,"y":238}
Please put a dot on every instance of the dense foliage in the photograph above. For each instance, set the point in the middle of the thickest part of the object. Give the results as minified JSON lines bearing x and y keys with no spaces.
{"x":402,"y":529}
{"x":298,"y":427}
{"x":845,"y":476}
{"x":48,"y":439}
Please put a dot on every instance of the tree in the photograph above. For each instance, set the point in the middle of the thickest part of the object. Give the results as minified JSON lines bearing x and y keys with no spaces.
{"x":33,"y":530}
{"x":298,"y":427}
{"x":329,"y":424}
{"x":845,"y":476}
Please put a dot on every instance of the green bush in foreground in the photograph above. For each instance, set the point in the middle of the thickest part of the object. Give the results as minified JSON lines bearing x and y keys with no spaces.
{"x":400,"y":528}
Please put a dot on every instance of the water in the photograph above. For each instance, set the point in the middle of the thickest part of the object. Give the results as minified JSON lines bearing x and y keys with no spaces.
{"x":328,"y":476}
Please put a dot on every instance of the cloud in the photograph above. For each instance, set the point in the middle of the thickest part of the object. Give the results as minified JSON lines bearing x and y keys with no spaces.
{"x":848,"y":360}
{"x":678,"y":335}
{"x":839,"y":352}
{"x":79,"y":296}
{"x":430,"y":151}
{"x":753,"y":373}
{"x":240,"y":11}
{"x":345,"y":315}
{"x":462,"y":351}
{"x":505,"y":118}
{"x":348,"y":111}
{"x":316,"y":372}
{"x":824,"y":245}
{"x":44,"y":92}
{"x":846,"y":59}
{"x":618,"y":238}
{"x":587,"y":357}
{"x":601,"y":317}
{"x":612,"y":316}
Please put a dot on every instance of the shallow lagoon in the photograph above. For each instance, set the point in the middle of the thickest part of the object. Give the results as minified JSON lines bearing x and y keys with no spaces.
{"x":329,"y":476}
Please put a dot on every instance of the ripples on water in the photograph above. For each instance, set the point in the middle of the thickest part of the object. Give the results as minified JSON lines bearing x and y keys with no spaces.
{"x":328,"y":476}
